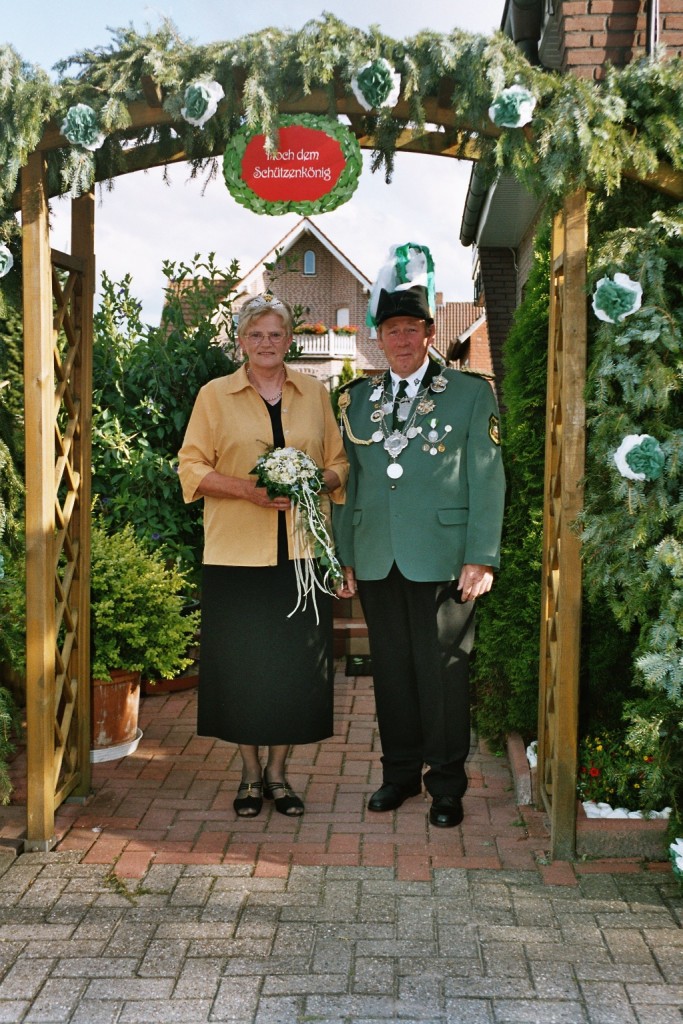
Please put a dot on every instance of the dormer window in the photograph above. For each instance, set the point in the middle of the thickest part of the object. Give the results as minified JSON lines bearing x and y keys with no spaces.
{"x":309,"y":263}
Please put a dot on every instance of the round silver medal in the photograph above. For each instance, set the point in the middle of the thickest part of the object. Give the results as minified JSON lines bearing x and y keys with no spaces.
{"x":394,"y":470}
{"x":378,"y":436}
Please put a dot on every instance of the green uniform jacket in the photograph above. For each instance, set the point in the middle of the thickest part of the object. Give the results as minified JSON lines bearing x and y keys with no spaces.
{"x":446,"y":510}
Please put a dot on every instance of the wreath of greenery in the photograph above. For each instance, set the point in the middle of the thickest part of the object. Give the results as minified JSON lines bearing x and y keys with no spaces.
{"x":341,"y":193}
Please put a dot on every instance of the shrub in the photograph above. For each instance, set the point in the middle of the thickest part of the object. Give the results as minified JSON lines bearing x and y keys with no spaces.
{"x":137,"y":622}
{"x":146,"y":380}
{"x":505,"y":674}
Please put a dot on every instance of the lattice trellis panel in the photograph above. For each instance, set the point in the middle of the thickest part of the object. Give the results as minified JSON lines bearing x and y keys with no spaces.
{"x":67,"y":291}
{"x":564,"y":468}
{"x":58,"y":378}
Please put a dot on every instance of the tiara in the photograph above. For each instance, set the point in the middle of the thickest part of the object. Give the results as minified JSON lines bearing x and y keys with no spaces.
{"x":266,"y":301}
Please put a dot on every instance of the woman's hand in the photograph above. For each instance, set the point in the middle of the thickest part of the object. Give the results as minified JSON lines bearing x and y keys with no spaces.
{"x":216,"y":485}
{"x":259,"y":496}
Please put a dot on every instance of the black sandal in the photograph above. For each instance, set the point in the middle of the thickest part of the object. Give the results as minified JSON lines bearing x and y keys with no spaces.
{"x":289,"y":803}
{"x":248,"y":805}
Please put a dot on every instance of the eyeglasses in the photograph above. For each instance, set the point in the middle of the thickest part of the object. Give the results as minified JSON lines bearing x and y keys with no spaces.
{"x":259,"y":336}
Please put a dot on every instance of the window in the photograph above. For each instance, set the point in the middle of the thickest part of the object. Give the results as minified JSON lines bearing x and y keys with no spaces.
{"x":309,"y":262}
{"x":343,"y":318}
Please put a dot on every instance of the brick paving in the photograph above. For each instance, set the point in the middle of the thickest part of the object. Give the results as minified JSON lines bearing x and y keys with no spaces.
{"x":158,"y":904}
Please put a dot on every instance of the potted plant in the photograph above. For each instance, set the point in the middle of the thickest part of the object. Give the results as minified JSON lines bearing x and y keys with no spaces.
{"x":138,"y":629}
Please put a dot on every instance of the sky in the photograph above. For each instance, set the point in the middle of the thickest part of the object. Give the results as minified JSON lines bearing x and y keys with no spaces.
{"x":143,"y":220}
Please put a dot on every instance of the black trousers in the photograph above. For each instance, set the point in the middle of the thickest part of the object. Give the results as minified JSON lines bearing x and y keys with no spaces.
{"x":421,"y":636}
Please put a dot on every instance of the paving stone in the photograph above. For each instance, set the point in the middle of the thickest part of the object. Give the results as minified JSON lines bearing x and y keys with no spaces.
{"x":176,"y":1011}
{"x":12,"y":1010}
{"x":469,"y":1011}
{"x":55,"y":1003}
{"x":232,"y":932}
{"x":374,"y":976}
{"x":607,"y":1003}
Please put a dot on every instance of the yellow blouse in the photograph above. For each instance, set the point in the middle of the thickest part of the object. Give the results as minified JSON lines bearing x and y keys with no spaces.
{"x":229,"y":430}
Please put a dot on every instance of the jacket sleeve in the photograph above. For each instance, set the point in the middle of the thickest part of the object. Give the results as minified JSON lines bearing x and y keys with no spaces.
{"x":196,"y":458}
{"x":342,"y":515}
{"x":486,"y":481}
{"x":334,"y":453}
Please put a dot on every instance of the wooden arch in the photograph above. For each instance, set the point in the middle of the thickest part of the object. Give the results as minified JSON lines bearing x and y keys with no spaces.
{"x":58,"y":309}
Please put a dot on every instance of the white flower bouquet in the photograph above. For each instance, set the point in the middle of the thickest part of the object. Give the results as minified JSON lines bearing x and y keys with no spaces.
{"x":290,"y":473}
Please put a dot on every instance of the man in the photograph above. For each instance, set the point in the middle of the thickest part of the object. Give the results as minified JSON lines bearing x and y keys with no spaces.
{"x":420,"y":533}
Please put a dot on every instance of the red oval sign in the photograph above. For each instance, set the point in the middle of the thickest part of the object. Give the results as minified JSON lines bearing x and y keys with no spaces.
{"x":306,"y":166}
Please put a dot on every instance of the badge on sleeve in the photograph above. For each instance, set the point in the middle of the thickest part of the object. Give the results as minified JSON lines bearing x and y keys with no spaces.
{"x":494,"y":429}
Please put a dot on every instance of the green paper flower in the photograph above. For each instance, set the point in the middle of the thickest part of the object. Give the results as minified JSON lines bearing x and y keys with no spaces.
{"x":201,"y":102}
{"x":513,"y":107}
{"x":615,"y":299}
{"x":640,"y":457}
{"x":6,"y":260}
{"x":376,"y":84}
{"x":81,"y":127}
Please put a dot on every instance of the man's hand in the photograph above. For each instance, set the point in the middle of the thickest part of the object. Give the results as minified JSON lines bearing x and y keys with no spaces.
{"x":348,"y":588}
{"x":474,"y":581}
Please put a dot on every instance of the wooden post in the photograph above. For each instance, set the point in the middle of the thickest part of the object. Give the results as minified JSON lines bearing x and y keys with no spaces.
{"x":83,"y":246}
{"x":565,"y":460}
{"x":40,"y":511}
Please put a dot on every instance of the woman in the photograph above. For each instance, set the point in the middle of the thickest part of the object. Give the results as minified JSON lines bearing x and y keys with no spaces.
{"x":266,"y":676}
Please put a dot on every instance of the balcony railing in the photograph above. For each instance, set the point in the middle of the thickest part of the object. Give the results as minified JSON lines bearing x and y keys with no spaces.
{"x":327,"y":346}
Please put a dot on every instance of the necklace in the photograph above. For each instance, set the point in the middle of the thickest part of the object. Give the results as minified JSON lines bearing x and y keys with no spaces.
{"x":410,"y":414}
{"x":271,"y":399}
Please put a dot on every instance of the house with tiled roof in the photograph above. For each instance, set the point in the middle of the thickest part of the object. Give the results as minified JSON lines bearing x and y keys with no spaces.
{"x":309,"y":271}
{"x":462,"y":337}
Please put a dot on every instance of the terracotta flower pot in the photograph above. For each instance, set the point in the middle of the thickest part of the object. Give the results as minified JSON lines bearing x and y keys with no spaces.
{"x":115,"y":706}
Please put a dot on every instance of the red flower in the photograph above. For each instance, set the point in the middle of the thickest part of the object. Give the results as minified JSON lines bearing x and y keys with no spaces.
{"x":594,"y":772}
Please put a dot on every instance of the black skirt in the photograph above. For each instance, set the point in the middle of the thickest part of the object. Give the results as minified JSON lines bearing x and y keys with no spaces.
{"x":264,"y":678}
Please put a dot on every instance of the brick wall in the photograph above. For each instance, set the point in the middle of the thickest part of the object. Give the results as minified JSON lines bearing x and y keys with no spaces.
{"x":499,"y":279}
{"x":331,"y":288}
{"x":596,"y":32}
{"x":480,"y":358}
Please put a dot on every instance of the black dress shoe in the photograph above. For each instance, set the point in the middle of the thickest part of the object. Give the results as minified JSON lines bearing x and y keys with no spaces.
{"x":446,"y":811}
{"x":390,"y":796}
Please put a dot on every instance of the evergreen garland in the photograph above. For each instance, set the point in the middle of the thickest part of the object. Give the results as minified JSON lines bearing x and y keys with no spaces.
{"x":582,"y":133}
{"x":632,"y":530}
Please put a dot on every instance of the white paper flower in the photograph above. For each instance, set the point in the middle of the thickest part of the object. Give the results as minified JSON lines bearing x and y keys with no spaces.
{"x":616,"y":298}
{"x":6,"y":260}
{"x":376,"y":85}
{"x":513,"y":107}
{"x":81,"y":127}
{"x":639,"y":457}
{"x":201,"y":102}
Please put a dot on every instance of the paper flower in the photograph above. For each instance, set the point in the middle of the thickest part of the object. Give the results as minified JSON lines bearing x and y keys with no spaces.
{"x":513,"y":107}
{"x":294,"y":475}
{"x":676,"y":853}
{"x":81,"y":127}
{"x":376,"y":84}
{"x":6,"y":260}
{"x":615,"y":299}
{"x":201,"y":102}
{"x":639,"y":457}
